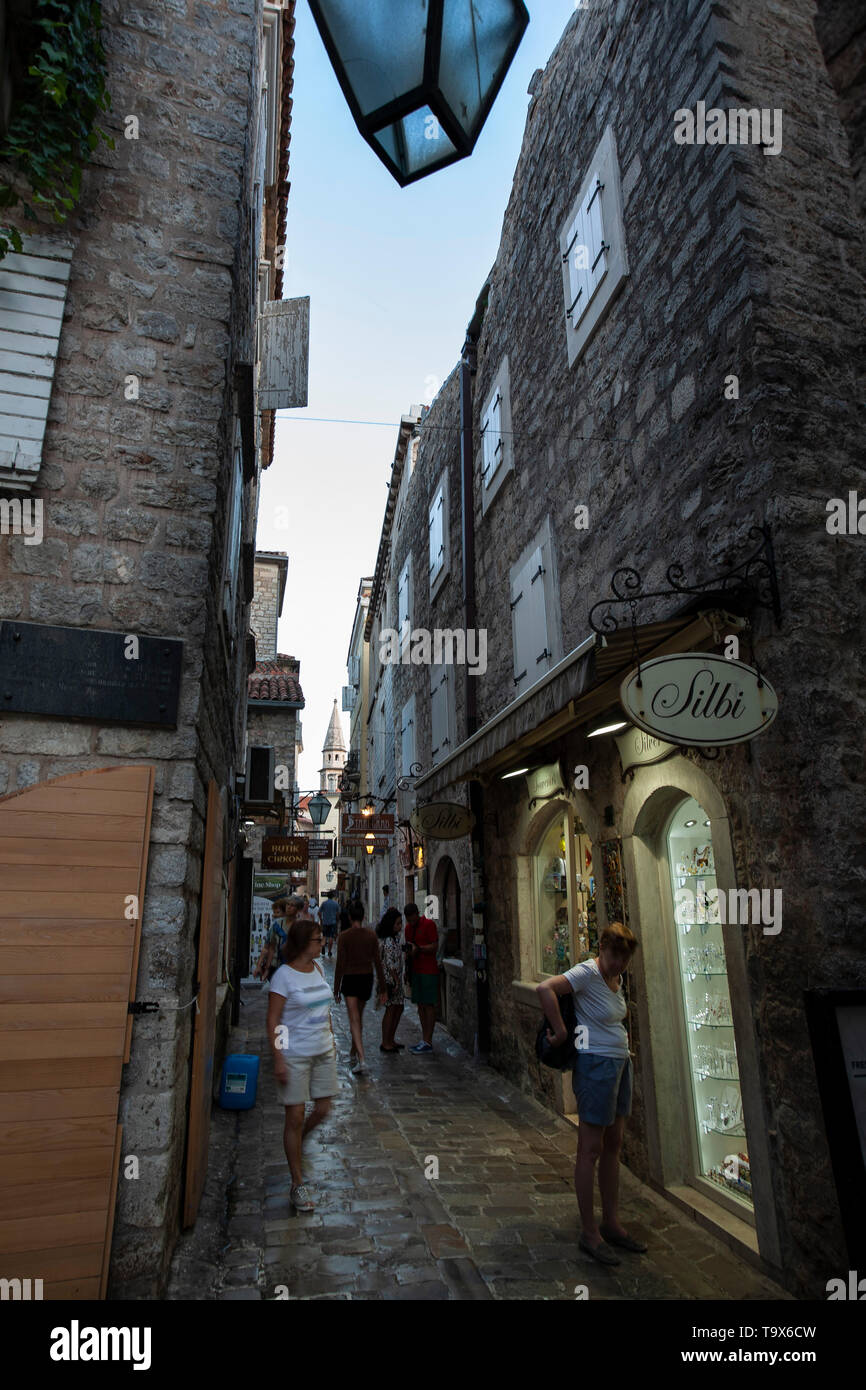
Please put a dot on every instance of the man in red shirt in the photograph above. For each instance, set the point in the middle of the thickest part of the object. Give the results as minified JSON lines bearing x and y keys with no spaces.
{"x":422,"y":935}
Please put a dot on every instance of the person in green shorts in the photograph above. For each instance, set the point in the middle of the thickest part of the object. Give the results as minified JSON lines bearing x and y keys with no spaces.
{"x":423,"y":936}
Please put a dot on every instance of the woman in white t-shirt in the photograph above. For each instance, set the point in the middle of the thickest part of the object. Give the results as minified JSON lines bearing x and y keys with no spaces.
{"x":602,"y":1082}
{"x":303,"y":1046}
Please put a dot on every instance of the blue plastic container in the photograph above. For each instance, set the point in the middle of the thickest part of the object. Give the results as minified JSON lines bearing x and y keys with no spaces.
{"x":239,"y":1082}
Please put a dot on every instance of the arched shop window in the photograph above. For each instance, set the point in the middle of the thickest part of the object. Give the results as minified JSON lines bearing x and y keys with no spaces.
{"x":567,"y":923}
{"x":717,"y":1107}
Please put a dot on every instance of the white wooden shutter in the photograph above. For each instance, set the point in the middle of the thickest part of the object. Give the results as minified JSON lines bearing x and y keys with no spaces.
{"x":439,"y":740}
{"x":577,"y":255}
{"x":529,"y":624}
{"x":407,"y":737}
{"x":493,"y":445}
{"x":437,"y":535}
{"x":593,"y":224}
{"x":285,"y":354}
{"x":33,"y":288}
{"x":404,"y":600}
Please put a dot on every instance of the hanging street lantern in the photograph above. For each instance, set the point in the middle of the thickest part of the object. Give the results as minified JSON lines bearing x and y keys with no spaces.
{"x":319,"y":808}
{"x":420,"y":76}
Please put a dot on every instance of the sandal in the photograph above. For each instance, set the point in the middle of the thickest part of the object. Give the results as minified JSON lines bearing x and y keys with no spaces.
{"x":602,"y":1252}
{"x":637,"y":1247}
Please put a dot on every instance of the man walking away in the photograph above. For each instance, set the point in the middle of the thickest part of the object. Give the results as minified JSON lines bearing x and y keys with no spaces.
{"x":328,"y":915}
{"x":423,"y":936}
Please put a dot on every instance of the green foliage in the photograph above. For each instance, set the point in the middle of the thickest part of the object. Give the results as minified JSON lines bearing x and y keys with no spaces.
{"x":53,"y":129}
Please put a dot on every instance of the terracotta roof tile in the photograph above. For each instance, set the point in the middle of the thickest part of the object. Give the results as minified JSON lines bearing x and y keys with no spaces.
{"x":276,"y":679}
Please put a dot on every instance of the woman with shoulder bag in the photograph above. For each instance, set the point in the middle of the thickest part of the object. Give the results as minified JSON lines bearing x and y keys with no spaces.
{"x":303,"y":1045}
{"x":602,"y":1081}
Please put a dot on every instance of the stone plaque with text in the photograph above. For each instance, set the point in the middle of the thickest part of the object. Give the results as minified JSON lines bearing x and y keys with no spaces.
{"x":79,"y":673}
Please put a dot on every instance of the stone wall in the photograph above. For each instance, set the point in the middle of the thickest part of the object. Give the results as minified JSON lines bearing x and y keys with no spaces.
{"x":742,"y":265}
{"x":264,"y":612}
{"x":135,"y":498}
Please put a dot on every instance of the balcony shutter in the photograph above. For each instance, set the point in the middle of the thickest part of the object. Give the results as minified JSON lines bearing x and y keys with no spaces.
{"x":33,"y":289}
{"x":285,"y":354}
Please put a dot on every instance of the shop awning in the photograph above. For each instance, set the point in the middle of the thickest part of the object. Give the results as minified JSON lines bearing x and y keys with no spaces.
{"x":583,"y":685}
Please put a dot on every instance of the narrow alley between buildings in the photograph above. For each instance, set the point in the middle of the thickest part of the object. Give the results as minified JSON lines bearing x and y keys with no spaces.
{"x":500,"y":1222}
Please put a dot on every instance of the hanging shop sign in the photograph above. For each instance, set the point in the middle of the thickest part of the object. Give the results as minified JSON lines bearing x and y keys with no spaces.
{"x":352,"y":824}
{"x":699,"y":700}
{"x":346,"y":866}
{"x":284,"y":852}
{"x":320,"y":849}
{"x":639,"y":749}
{"x":442,"y":820}
{"x":544,"y":782}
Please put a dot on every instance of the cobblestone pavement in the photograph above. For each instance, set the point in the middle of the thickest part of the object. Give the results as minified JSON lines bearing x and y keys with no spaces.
{"x":500,"y":1222}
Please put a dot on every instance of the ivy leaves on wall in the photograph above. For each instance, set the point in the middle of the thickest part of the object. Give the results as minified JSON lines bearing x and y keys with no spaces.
{"x":59,"y":93}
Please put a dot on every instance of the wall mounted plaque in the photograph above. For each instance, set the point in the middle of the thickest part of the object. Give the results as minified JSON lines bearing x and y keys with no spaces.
{"x":85,"y":673}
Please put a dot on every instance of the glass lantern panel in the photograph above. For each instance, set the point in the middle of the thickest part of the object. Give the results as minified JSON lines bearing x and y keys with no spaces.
{"x":416,"y":142}
{"x":380,"y":44}
{"x":475,"y":41}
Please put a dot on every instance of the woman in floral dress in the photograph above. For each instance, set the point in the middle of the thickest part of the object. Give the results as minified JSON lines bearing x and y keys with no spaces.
{"x":390,"y":934}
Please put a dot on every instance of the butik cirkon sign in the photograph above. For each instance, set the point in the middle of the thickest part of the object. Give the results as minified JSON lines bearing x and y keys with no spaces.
{"x":699,"y":700}
{"x":442,"y":820}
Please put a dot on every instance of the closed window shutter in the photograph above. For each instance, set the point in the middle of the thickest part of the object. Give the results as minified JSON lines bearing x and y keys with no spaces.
{"x":437,"y":535}
{"x":593,"y":223}
{"x":403,"y":601}
{"x":493,"y":443}
{"x":439,"y":712}
{"x":33,"y":289}
{"x":529,"y":624}
{"x":407,"y":737}
{"x":577,"y":255}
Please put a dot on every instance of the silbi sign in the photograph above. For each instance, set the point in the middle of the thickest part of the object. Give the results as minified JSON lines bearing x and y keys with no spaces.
{"x":699,"y":700}
{"x":442,"y":820}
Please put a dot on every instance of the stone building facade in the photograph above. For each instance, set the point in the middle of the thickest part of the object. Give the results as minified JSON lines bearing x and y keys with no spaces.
{"x":652,"y":371}
{"x":148,"y":475}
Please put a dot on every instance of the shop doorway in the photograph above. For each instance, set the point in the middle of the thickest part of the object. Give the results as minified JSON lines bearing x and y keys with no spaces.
{"x":73,"y":862}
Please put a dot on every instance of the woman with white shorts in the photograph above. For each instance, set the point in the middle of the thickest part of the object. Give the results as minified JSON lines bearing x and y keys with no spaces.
{"x":303,"y":1045}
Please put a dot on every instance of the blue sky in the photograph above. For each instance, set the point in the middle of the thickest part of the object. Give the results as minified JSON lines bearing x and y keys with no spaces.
{"x":393,"y":275}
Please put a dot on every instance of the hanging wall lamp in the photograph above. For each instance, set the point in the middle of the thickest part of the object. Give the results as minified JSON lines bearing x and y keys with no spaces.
{"x":421,"y":77}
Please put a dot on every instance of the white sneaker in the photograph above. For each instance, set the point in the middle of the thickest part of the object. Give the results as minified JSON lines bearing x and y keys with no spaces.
{"x":359,"y":1069}
{"x":300,"y":1199}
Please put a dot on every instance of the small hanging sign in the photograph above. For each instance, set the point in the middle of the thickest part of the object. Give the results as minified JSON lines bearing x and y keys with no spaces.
{"x":639,"y":749}
{"x":699,"y":700}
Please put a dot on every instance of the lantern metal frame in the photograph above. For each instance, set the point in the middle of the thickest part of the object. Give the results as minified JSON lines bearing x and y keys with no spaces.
{"x":428,"y":93}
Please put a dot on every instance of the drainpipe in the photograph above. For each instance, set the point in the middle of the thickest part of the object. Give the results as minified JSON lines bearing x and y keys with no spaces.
{"x":476,"y":792}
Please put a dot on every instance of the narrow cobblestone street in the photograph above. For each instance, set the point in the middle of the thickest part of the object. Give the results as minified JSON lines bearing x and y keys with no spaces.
{"x":500,"y":1222}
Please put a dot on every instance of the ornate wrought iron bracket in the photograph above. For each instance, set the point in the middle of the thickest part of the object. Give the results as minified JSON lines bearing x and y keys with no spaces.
{"x":753,"y":584}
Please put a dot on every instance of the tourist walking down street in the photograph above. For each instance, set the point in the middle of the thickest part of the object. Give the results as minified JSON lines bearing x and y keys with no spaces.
{"x":328,"y":915}
{"x":302,"y":1041}
{"x":389,"y":932}
{"x":423,"y":936}
{"x":358,"y":955}
{"x":602,"y":1082}
{"x":286,"y":911}
{"x":313,"y":910}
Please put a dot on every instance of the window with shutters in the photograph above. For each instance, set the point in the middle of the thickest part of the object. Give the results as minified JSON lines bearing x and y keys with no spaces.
{"x":497,"y":440}
{"x":439,"y":540}
{"x":33,"y":287}
{"x":592,"y":247}
{"x":407,"y":738}
{"x":231,"y":568}
{"x":535,"y":626}
{"x":441,"y":712}
{"x":404,"y":602}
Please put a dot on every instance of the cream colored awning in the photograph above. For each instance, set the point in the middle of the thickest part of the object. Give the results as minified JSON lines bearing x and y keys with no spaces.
{"x":582,"y":686}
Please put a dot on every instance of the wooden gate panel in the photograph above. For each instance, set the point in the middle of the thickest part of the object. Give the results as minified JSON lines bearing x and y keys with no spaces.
{"x":73,"y":857}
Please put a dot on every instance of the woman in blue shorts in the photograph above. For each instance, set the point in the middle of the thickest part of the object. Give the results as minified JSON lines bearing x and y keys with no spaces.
{"x":602,"y":1083}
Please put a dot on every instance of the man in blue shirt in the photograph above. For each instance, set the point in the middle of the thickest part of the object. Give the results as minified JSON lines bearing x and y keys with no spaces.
{"x":329,"y":912}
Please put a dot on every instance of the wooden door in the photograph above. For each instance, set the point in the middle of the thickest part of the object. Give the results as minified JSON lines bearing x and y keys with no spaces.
{"x":73,"y":863}
{"x":210,"y":930}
